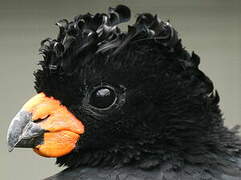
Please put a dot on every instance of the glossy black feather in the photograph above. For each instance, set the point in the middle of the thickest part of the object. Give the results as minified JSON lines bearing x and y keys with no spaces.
{"x":187,"y":173}
{"x":166,"y":123}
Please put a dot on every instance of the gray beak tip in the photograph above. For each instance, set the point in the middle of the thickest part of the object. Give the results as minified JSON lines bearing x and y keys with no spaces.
{"x":10,"y":149}
{"x":23,"y":132}
{"x":11,"y":144}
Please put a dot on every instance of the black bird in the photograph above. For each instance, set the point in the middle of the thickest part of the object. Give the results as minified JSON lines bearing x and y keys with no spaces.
{"x":114,"y":105}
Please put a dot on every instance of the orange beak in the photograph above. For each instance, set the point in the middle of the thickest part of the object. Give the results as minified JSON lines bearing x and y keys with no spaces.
{"x":46,"y":126}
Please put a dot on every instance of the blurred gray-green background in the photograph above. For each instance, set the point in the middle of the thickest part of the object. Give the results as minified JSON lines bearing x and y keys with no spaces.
{"x":212,"y":28}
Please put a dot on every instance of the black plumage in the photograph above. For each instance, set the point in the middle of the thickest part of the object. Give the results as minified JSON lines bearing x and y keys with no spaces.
{"x":165,"y":123}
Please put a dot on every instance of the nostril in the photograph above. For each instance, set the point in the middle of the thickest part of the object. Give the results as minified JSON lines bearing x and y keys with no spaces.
{"x":41,"y":119}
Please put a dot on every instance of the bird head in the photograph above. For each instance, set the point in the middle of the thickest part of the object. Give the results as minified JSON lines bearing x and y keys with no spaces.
{"x":109,"y":96}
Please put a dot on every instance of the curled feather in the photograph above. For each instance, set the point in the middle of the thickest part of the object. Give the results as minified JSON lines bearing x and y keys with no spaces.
{"x":90,"y":34}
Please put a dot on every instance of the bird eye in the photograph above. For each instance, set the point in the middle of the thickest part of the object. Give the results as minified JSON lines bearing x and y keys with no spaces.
{"x":103,"y":97}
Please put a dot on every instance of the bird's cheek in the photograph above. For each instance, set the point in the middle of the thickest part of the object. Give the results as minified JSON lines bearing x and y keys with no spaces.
{"x":61,"y":128}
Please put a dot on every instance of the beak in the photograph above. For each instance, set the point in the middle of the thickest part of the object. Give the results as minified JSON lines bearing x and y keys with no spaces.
{"x":46,"y":126}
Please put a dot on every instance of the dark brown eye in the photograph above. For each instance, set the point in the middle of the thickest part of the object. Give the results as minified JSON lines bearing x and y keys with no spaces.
{"x":103,"y":98}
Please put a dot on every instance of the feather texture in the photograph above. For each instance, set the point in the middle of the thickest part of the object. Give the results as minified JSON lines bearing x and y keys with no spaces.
{"x":167,"y":125}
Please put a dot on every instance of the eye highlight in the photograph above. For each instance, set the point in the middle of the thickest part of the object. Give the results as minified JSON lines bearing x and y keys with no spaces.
{"x":102,"y":97}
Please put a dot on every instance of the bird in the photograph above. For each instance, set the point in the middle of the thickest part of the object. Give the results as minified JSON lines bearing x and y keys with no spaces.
{"x":114,"y":104}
